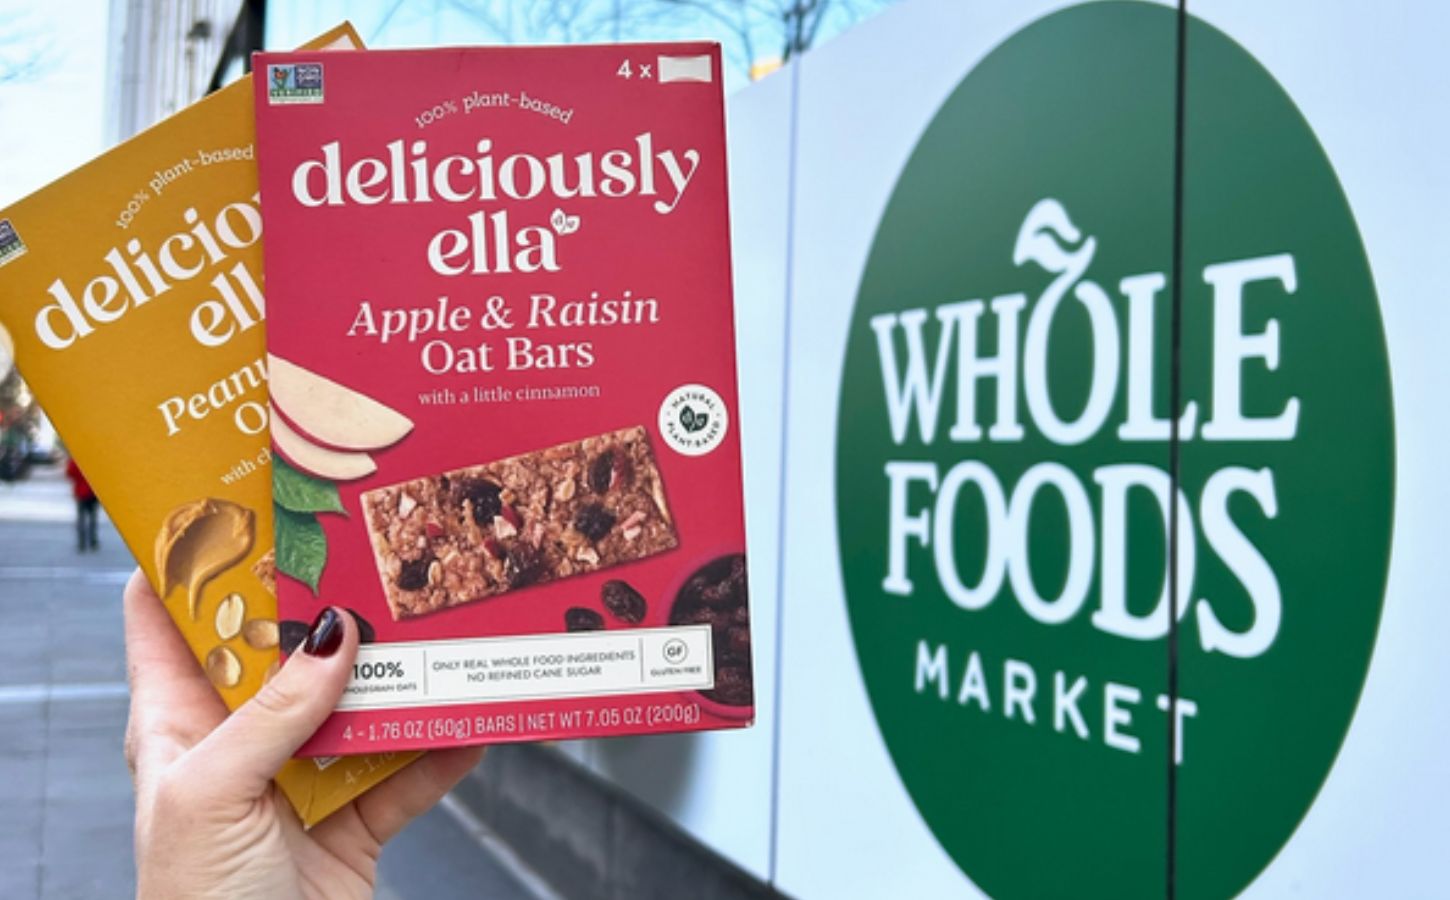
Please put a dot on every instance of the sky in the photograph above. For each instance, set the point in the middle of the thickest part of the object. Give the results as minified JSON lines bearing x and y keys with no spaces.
{"x":54,"y":121}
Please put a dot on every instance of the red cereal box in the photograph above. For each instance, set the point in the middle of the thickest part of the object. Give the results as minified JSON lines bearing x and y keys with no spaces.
{"x":502,"y":376}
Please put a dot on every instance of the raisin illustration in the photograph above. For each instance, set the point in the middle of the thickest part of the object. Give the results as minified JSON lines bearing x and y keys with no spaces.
{"x":717,"y":594}
{"x":624,"y":602}
{"x":414,"y":574}
{"x":523,"y":565}
{"x":290,"y":635}
{"x":691,"y":615}
{"x":483,"y":496}
{"x":601,"y":471}
{"x":737,"y":643}
{"x":722,"y":594}
{"x":365,"y":632}
{"x":577,"y":618}
{"x":718,"y":620}
{"x":690,"y":593}
{"x":732,"y":686}
{"x":594,"y":521}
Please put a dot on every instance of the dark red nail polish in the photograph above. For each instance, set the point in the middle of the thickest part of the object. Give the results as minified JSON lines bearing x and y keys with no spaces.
{"x":326,"y":634}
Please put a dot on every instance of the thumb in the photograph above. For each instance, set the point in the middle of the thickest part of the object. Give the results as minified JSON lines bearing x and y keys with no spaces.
{"x":240,"y":757}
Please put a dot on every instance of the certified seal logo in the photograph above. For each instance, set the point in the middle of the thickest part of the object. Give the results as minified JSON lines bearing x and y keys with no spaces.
{"x":1005,"y":476}
{"x":693,"y":420}
{"x":11,"y":246}
{"x":294,"y":83}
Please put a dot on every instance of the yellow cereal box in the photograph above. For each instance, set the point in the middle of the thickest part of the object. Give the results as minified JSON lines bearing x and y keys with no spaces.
{"x":131,"y":290}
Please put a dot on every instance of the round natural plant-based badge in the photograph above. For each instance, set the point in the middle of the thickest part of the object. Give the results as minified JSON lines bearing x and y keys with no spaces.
{"x":693,"y":419}
{"x":1004,"y":448}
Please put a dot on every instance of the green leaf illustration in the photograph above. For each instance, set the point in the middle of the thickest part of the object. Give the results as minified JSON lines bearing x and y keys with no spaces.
{"x":301,"y":493}
{"x":301,"y":546}
{"x":687,"y":418}
{"x":700,"y":421}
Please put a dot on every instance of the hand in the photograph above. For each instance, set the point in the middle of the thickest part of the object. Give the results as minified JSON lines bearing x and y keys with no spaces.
{"x":209,"y":821}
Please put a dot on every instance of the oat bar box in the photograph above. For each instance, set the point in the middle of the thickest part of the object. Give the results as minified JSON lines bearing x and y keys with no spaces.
{"x":131,"y":292}
{"x":503,"y":385}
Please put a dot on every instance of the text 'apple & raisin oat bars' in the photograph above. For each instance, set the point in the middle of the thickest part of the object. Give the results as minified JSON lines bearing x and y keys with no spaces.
{"x":484,"y":530}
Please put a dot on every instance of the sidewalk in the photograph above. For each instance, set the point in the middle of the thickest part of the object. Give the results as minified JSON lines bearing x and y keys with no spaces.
{"x":65,"y":793}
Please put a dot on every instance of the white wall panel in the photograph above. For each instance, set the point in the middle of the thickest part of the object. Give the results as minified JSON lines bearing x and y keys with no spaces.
{"x":1372,"y":83}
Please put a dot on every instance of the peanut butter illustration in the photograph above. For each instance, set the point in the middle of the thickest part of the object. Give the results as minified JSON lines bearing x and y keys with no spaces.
{"x":199,"y":540}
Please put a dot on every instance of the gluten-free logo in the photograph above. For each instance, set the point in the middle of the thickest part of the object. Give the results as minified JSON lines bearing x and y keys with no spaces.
{"x":294,"y":83}
{"x":1004,"y":448}
{"x":11,"y":246}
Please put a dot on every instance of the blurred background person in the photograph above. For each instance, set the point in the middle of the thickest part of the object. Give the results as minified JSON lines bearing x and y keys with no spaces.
{"x":86,"y":504}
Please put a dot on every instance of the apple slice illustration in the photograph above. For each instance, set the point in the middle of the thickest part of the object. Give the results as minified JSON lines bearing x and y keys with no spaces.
{"x":331,"y":414}
{"x":334,"y":465}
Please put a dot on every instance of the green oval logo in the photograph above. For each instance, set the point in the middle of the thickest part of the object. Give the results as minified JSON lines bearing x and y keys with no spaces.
{"x":1005,"y":449}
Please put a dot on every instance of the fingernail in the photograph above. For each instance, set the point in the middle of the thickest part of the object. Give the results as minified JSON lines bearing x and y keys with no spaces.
{"x":326,"y":634}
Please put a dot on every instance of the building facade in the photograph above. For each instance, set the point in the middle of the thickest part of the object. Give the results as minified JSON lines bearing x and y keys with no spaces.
{"x":164,"y":55}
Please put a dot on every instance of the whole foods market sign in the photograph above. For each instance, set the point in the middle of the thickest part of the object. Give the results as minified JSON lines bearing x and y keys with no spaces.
{"x":1004,"y":455}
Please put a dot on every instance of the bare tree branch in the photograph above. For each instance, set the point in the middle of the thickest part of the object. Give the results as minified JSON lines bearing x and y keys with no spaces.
{"x":737,"y":26}
{"x":556,"y":21}
{"x":744,"y":26}
{"x":742,"y":29}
